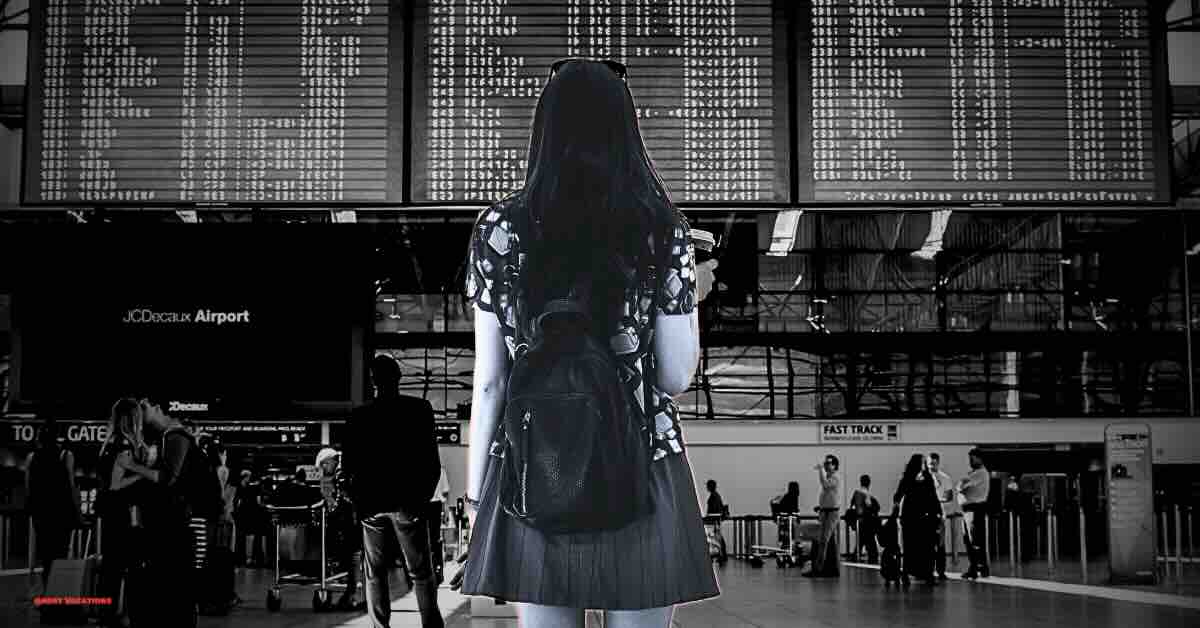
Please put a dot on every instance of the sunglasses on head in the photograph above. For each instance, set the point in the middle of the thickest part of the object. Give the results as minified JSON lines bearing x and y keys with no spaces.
{"x":617,"y":67}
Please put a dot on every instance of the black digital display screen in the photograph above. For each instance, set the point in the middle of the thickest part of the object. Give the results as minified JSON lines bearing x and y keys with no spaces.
{"x":215,"y":320}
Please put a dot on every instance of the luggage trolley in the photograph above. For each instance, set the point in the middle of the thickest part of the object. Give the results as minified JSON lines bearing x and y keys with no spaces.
{"x":315,"y":515}
{"x":797,"y":536}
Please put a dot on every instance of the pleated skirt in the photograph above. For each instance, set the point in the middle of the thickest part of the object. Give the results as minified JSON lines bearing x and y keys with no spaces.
{"x":657,"y":561}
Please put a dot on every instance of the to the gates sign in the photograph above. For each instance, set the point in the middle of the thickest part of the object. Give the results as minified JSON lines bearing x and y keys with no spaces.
{"x":75,"y":432}
{"x":859,"y":432}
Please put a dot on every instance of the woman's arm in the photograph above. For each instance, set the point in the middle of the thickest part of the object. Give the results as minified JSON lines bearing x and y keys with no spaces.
{"x":677,"y":350}
{"x":144,"y":471}
{"x":119,"y":479}
{"x":487,"y":395}
{"x":677,"y":333}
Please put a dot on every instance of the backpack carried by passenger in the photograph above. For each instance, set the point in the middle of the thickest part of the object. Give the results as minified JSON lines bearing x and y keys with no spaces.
{"x":201,"y":492}
{"x":575,"y":443}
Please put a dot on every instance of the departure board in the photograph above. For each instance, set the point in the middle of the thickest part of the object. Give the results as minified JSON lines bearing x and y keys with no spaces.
{"x":221,"y":101}
{"x":982,"y":101}
{"x":740,"y":102}
{"x":707,"y":76}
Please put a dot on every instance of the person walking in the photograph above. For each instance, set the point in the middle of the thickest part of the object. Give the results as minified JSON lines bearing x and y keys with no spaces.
{"x":716,"y":504}
{"x":974,"y":490}
{"x":250,"y":519}
{"x":916,"y":498}
{"x":391,"y":460}
{"x":53,"y":500}
{"x":866,"y":514}
{"x":788,"y":502}
{"x":437,"y":513}
{"x":714,"y":513}
{"x":592,"y":225}
{"x":945,"y":491}
{"x":344,"y":531}
{"x":829,"y":506}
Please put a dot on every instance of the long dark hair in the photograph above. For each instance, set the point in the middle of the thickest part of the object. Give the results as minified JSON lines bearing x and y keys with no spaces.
{"x":125,"y":427}
{"x":592,"y":196}
{"x":912,"y":470}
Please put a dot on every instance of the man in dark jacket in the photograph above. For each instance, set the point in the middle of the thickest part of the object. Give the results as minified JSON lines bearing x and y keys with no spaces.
{"x":391,"y":458}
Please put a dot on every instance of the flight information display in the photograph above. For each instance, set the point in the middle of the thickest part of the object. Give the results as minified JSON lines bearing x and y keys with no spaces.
{"x":707,"y":77}
{"x":981,"y":101}
{"x":221,"y":101}
{"x":740,"y":102}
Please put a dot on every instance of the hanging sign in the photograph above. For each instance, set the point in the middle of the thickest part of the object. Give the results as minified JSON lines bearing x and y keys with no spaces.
{"x":859,"y":432}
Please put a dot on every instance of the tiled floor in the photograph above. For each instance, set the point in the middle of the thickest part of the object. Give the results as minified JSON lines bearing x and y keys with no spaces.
{"x":763,"y":597}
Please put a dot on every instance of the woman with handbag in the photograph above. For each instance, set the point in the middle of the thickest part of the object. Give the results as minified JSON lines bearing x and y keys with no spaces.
{"x":590,"y":260}
{"x":917,"y":500}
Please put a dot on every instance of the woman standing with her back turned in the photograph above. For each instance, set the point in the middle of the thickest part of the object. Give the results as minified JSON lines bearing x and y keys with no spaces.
{"x":917,"y":499}
{"x":592,"y":207}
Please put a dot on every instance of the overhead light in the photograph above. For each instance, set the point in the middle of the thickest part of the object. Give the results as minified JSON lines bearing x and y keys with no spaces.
{"x":939,"y":219}
{"x":783,"y":237}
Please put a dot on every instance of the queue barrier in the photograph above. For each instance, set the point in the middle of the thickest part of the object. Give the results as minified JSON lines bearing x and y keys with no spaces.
{"x":1175,"y":532}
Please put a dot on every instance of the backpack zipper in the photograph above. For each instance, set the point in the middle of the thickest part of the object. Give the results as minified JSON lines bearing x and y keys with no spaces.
{"x":525,"y":461}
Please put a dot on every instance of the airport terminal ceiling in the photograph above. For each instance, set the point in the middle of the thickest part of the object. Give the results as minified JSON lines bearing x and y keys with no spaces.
{"x":884,"y":295}
{"x":1009,"y":315}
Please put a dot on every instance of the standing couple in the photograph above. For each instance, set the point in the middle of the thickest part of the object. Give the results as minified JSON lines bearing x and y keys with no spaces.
{"x":155,"y":510}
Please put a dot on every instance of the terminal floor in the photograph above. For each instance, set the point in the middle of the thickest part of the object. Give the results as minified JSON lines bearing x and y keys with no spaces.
{"x":750,"y":597}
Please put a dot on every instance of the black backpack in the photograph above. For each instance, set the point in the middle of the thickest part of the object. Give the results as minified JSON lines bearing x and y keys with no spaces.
{"x":200,"y":493}
{"x":576,"y":444}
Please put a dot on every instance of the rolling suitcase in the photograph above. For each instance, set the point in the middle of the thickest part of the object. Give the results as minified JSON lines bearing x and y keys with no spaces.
{"x":889,"y":565}
{"x":70,"y":579}
{"x":217,"y":586}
